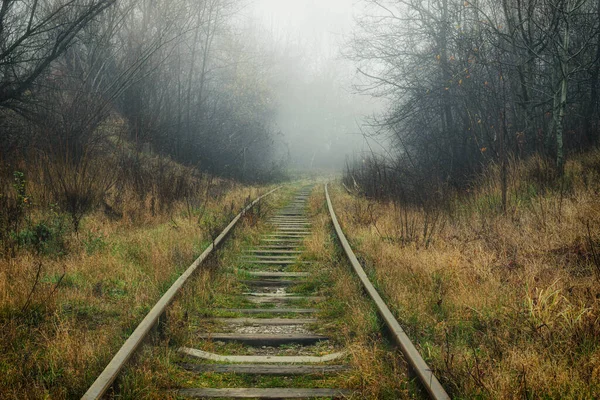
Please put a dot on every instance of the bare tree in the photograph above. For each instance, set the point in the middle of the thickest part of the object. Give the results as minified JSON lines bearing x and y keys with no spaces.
{"x":35,"y":33}
{"x":471,"y":82}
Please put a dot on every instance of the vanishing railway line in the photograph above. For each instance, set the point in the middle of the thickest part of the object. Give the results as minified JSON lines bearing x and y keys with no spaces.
{"x":276,"y":310}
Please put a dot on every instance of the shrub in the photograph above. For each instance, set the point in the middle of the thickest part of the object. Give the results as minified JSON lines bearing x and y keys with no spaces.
{"x":45,"y":237}
{"x":14,"y":203}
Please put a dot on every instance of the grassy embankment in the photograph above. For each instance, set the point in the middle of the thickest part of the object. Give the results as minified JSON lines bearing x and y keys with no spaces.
{"x":346,"y":316}
{"x":501,"y":305}
{"x":69,"y":299}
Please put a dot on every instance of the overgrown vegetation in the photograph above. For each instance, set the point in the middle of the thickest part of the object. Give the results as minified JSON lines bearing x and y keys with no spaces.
{"x":88,"y":79}
{"x":122,"y":125}
{"x":502,"y":304}
{"x":347,"y":317}
{"x":474,"y":83}
{"x":71,"y":290}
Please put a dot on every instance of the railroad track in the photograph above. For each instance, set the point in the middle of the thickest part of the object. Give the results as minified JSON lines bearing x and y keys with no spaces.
{"x":271,"y":314}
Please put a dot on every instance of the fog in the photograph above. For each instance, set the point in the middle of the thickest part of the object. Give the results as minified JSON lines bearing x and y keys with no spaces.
{"x":247,"y":89}
{"x":318,"y":113}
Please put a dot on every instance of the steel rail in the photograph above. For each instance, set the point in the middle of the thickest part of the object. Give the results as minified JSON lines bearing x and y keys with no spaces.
{"x":110,"y":373}
{"x":419,"y":366}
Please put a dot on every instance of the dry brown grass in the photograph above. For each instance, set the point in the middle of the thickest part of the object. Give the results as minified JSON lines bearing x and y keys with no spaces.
{"x":501,"y":306}
{"x":377,"y":371}
{"x":64,"y":313}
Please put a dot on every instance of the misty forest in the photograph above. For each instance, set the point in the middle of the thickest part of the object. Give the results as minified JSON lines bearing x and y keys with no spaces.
{"x":456,"y":141}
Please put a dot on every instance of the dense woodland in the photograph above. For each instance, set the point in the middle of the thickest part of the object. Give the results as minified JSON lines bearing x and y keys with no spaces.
{"x":101,"y":97}
{"x":87,"y":78}
{"x":97,"y":95}
{"x":471,"y":83}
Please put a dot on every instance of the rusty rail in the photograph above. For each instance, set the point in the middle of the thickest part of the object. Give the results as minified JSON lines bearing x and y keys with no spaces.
{"x":418,"y":365}
{"x":112,"y":370}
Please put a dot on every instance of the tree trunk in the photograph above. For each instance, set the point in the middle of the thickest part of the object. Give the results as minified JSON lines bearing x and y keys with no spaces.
{"x":590,"y":120}
{"x":559,"y":114}
{"x":447,"y":117}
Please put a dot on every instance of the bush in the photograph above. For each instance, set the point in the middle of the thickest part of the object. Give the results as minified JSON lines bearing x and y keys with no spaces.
{"x":45,"y":237}
{"x":14,"y":203}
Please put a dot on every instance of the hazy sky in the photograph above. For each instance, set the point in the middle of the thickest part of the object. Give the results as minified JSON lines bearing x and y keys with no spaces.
{"x":319,"y":117}
{"x":320,"y":22}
